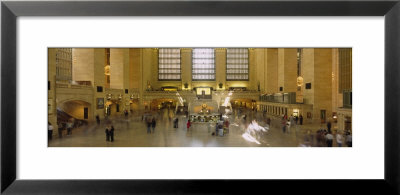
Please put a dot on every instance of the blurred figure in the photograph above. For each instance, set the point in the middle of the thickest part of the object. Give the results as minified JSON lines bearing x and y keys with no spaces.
{"x":226,"y":126}
{"x":339,"y":139}
{"x":69,"y":128}
{"x":112,"y":133}
{"x":329,"y":139}
{"x":153,"y":123}
{"x":216,"y":128}
{"x":50,"y":131}
{"x":301,"y":119}
{"x":320,"y":138}
{"x":98,"y":119}
{"x":188,"y":124}
{"x":60,"y":128}
{"x":107,"y":134}
{"x":126,"y":113}
{"x":176,"y":122}
{"x":209,"y":126}
{"x":148,"y":121}
{"x":284,"y":125}
{"x":220,"y":129}
{"x":329,"y":125}
{"x":349,"y":140}
{"x":310,"y":137}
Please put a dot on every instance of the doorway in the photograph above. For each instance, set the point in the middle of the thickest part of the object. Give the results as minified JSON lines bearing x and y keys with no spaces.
{"x":85,"y":113}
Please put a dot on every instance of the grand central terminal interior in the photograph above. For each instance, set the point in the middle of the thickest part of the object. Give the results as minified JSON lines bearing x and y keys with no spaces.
{"x":199,"y":97}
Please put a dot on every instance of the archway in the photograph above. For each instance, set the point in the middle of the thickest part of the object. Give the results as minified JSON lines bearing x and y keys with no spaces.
{"x":76,"y":109}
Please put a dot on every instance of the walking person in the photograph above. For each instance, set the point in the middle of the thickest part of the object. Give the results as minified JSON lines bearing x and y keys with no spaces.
{"x":216,"y":129}
{"x":319,"y":138}
{"x":349,"y":140}
{"x":69,"y":128}
{"x":283,"y":125}
{"x":220,"y":129}
{"x":107,"y":134}
{"x":188,"y":124}
{"x":291,"y":122}
{"x":148,"y":121}
{"x":209,"y":127}
{"x":126,"y":113}
{"x":98,"y":119}
{"x":339,"y":139}
{"x":50,"y":131}
{"x":176,"y":122}
{"x":301,"y":119}
{"x":153,"y":123}
{"x":60,"y":129}
{"x":329,"y":139}
{"x":112,"y":133}
{"x":329,"y":125}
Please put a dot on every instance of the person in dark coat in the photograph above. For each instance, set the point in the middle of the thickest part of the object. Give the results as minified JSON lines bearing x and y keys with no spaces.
{"x":153,"y":123}
{"x":176,"y":123}
{"x":148,"y":121}
{"x":112,"y":133}
{"x":107,"y":134}
{"x":301,"y":119}
{"x":98,"y":119}
{"x":329,"y":125}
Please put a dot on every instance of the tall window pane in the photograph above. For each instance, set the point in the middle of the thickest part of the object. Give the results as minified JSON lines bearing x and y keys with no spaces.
{"x":237,"y":64}
{"x":203,"y":60}
{"x":169,"y":64}
{"x":64,"y":64}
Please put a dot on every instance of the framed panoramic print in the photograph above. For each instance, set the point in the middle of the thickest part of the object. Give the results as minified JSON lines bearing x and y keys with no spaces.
{"x":198,"y":97}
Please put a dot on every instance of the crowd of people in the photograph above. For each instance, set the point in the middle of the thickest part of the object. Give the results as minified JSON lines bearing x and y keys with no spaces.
{"x":322,"y":137}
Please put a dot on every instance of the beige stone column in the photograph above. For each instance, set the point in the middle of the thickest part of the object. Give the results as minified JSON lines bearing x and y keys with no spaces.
{"x":119,"y":74}
{"x":252,"y":84}
{"x":290,"y":70}
{"x":220,"y":67}
{"x":186,"y":67}
{"x":260,"y":67}
{"x":51,"y":93}
{"x":322,"y":82}
{"x":99,"y":81}
{"x":272,"y":71}
{"x":287,"y":69}
{"x":308,"y":75}
{"x":335,"y":80}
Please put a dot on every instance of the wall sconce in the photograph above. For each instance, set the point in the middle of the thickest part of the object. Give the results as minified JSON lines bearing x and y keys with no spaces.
{"x":120,"y":97}
{"x":109,"y":96}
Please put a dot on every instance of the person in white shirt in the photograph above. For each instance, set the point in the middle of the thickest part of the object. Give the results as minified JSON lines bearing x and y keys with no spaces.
{"x":339,"y":139}
{"x":329,"y":139}
{"x":50,"y":131}
{"x":69,"y":128}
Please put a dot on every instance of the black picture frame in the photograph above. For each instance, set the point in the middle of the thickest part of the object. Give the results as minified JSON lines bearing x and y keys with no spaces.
{"x":11,"y":10}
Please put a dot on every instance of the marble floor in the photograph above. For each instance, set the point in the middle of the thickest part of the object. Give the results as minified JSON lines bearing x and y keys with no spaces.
{"x":131,"y":131}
